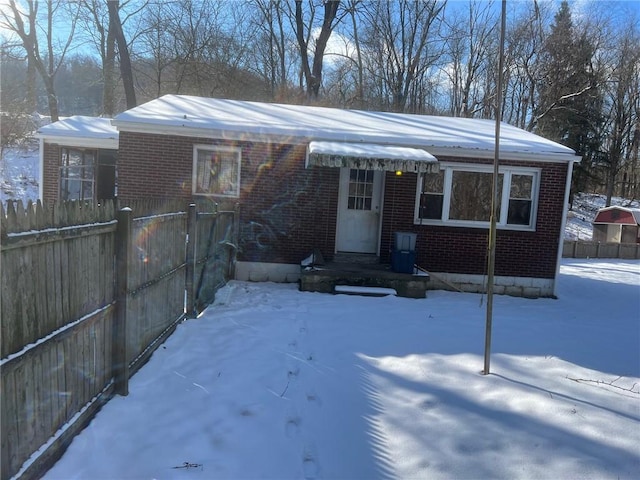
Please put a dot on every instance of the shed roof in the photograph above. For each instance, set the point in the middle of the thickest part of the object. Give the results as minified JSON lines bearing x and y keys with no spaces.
{"x":241,"y":120}
{"x":603,"y":215}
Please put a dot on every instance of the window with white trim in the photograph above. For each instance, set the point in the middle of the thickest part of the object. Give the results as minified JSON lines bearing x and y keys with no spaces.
{"x":87,"y":174}
{"x":216,"y":171}
{"x":460,"y":195}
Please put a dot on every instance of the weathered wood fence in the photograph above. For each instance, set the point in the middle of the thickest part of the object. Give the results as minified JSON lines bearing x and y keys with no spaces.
{"x":88,"y":294}
{"x":584,"y":249}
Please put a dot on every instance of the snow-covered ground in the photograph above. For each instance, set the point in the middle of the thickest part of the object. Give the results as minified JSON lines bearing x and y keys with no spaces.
{"x":19,"y":174}
{"x":271,"y":382}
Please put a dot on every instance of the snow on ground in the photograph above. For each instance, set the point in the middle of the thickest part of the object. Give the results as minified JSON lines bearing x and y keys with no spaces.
{"x":19,"y":174}
{"x":271,"y":382}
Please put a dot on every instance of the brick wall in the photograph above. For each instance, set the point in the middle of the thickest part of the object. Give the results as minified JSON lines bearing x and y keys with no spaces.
{"x":51,"y":173}
{"x":288,"y":210}
{"x":463,"y":250}
{"x":285,"y":210}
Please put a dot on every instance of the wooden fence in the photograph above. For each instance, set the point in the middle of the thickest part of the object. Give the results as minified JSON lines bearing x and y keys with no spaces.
{"x":88,"y":294}
{"x":584,"y":249}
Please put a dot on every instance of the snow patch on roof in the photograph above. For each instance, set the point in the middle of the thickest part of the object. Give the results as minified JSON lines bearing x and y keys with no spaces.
{"x":80,"y":127}
{"x":188,"y":115}
{"x":368,"y":150}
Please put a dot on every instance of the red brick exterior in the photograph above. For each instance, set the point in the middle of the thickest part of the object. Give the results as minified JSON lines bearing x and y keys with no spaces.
{"x":463,"y":250}
{"x":51,"y":173}
{"x":288,"y":210}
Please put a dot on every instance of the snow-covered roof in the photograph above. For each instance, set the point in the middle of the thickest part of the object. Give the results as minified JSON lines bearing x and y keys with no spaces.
{"x":241,"y":120}
{"x":81,"y":131}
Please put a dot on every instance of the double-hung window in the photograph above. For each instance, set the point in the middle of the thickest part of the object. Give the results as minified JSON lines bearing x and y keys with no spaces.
{"x":216,"y":171}
{"x":460,"y":195}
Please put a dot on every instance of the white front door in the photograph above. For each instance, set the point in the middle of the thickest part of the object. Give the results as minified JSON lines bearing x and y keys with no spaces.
{"x":359,"y":210}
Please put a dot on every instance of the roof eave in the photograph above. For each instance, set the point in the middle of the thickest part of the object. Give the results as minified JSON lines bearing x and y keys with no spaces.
{"x":237,"y":135}
{"x":85,"y":142}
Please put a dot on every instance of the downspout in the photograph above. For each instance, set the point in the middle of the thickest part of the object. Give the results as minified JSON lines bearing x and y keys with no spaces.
{"x":565,"y":211}
{"x":41,"y":172}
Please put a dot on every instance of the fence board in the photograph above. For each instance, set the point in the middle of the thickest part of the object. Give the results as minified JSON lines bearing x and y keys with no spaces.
{"x":584,"y":249}
{"x":8,"y":408}
{"x":156,"y":279}
{"x":58,"y":317}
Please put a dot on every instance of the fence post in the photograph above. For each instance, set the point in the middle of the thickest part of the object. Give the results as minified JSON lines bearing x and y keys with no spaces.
{"x":236,"y":239}
{"x":120,"y":340}
{"x":192,"y":222}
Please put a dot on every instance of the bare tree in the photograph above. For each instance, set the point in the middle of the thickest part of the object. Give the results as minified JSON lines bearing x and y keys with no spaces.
{"x":271,"y":42}
{"x":469,"y":40}
{"x":622,"y":106}
{"x":524,"y":41}
{"x":313,"y":73}
{"x":115,"y":29}
{"x":25,"y":24}
{"x":401,"y":39}
{"x":156,"y":53}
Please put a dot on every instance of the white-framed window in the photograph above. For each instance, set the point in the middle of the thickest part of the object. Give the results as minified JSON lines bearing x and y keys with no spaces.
{"x":77,"y":174}
{"x":360,"y":189}
{"x":87,"y":174}
{"x":216,"y":171}
{"x":460,"y":195}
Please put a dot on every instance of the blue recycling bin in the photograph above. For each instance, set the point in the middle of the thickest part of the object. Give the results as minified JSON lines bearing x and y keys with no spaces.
{"x":402,"y":261}
{"x":403,"y":255}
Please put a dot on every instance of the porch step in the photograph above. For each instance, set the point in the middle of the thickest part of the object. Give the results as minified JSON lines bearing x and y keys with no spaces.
{"x":356,"y":258}
{"x":366,"y":291}
{"x":333,"y":277}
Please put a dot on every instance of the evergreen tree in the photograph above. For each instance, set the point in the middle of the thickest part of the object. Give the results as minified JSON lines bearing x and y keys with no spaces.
{"x":570,"y":102}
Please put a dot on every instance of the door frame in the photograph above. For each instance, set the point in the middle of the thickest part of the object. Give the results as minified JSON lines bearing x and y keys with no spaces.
{"x":340,"y":215}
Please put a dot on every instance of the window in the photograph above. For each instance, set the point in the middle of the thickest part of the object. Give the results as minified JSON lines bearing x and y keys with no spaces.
{"x":88,"y":174}
{"x":520,"y":200}
{"x":216,"y":171}
{"x":77,"y":174}
{"x":360,"y":189}
{"x":461,"y":195}
{"x":432,"y":196}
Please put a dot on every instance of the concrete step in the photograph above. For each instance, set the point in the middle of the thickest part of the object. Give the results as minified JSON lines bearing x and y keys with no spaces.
{"x":356,"y":258}
{"x":365,"y":291}
{"x":326,"y":278}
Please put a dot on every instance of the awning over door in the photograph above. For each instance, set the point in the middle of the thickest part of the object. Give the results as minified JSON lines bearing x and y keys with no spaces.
{"x":368,"y":156}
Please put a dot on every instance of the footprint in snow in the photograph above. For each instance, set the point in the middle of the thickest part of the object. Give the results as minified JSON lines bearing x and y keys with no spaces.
{"x":313,"y":398}
{"x":292,"y":427}
{"x":310,"y":467}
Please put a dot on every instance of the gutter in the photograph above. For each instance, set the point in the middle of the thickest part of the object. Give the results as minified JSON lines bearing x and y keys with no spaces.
{"x":563,"y":225}
{"x":41,"y":170}
{"x":79,"y":141}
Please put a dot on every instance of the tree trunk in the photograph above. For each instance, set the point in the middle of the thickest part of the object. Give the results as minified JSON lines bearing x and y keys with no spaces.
{"x":313,"y":75}
{"x":109,"y":74}
{"x":123,"y":53}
